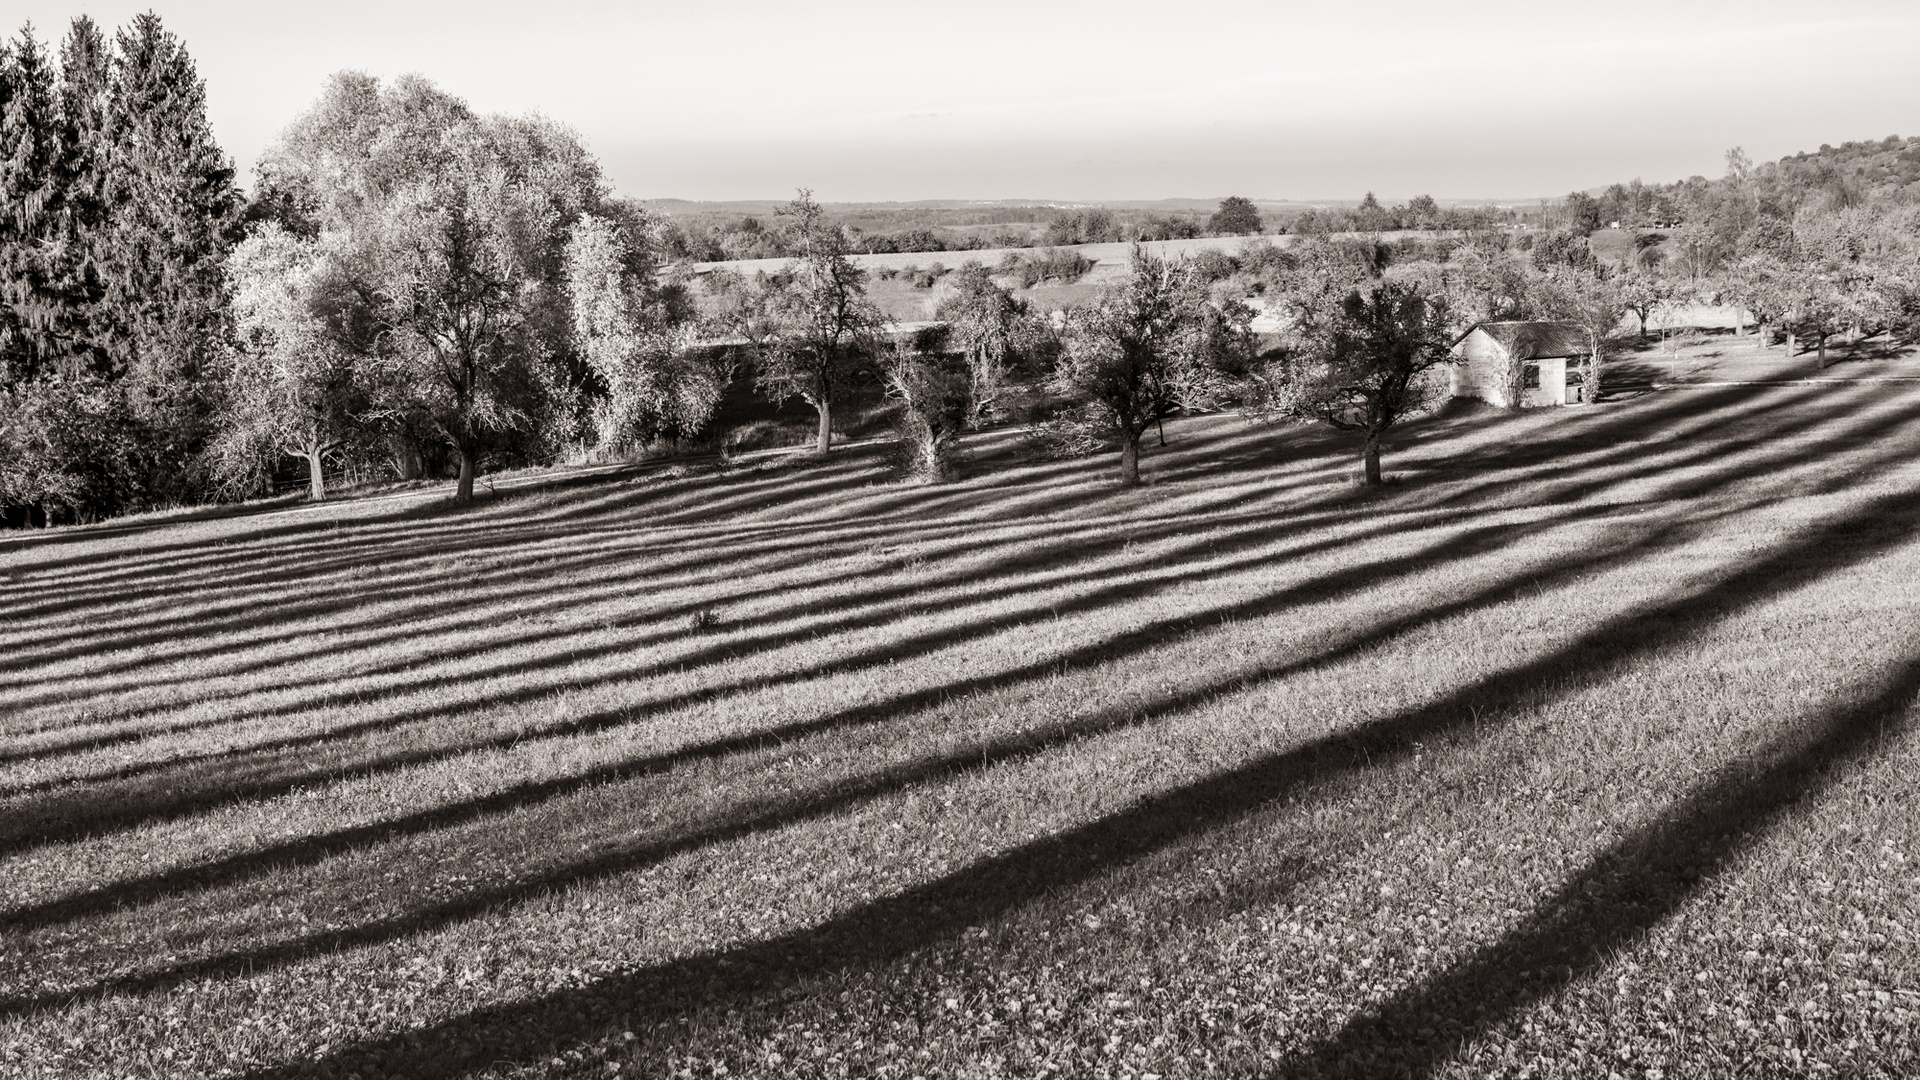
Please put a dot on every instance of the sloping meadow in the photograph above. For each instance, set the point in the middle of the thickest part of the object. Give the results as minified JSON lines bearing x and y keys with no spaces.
{"x":1587,"y":747}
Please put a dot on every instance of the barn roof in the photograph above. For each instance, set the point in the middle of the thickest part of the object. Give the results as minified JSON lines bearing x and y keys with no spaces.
{"x":1533,"y":340}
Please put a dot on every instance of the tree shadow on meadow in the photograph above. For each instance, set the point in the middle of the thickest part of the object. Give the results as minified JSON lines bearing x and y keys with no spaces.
{"x":1066,"y":544}
{"x":1376,"y":742}
{"x":886,"y":930}
{"x":840,"y":794}
{"x":185,"y":785}
{"x":201,"y":625}
{"x":338,"y":544}
{"x":543,"y":574}
{"x":1608,"y":906}
{"x":431,"y":579}
{"x":903,"y":510}
{"x":97,"y":807}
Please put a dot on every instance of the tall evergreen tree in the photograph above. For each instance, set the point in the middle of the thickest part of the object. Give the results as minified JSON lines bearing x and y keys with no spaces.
{"x":171,"y":214}
{"x":29,"y":201}
{"x":85,"y":86}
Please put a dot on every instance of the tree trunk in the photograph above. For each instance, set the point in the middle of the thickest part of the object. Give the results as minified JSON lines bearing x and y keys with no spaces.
{"x":406,"y":458}
{"x":1129,"y":458}
{"x":316,"y":476}
{"x":1765,"y":333}
{"x":1791,"y":343}
{"x":1643,"y":326}
{"x":1590,"y":390}
{"x":463,"y":491}
{"x":1739,"y":322}
{"x":1370,"y":461}
{"x":826,"y":424}
{"x":1823,"y":349}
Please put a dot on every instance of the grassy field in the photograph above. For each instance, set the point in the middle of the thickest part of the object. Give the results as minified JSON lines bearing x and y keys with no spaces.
{"x":1584,"y":749}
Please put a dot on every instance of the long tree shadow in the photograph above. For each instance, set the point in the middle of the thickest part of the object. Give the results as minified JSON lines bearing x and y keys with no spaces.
{"x":1208,"y":803}
{"x":314,"y":848}
{"x":751,"y":562}
{"x":883,"y":931}
{"x":422,"y":550}
{"x":709,"y":510}
{"x":1870,"y":428}
{"x":165,"y":794}
{"x":247,"y":613}
{"x":130,"y":735}
{"x":169,"y":794}
{"x":1068,"y":544}
{"x":721,"y":547}
{"x":467,"y":535}
{"x":780,"y":811}
{"x":1623,"y":893}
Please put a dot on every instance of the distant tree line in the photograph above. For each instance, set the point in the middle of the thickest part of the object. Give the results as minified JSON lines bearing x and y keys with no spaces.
{"x":1418,"y":213}
{"x":704,"y":238}
{"x":1809,"y":247}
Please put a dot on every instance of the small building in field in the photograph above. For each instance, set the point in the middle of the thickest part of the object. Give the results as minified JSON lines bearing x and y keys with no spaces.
{"x":1543,"y":358}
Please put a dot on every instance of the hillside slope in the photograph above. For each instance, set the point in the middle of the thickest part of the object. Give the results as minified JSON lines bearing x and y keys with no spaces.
{"x":1587,"y":746}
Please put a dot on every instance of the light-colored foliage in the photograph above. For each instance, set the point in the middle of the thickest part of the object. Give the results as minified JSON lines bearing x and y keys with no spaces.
{"x":292,"y":386}
{"x":655,"y":382}
{"x":450,"y":230}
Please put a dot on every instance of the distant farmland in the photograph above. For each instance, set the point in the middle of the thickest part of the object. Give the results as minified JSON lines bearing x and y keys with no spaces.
{"x":1585,"y":748}
{"x":901,"y":301}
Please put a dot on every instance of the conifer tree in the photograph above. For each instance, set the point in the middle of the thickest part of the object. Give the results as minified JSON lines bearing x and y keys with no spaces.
{"x":171,"y":210}
{"x":81,"y":174}
{"x":29,"y":201}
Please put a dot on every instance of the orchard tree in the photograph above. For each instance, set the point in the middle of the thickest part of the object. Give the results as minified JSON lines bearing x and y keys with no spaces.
{"x":818,"y":330}
{"x":1644,"y":293}
{"x":1237,"y":216}
{"x":1364,"y":366}
{"x":1137,"y":354}
{"x":935,"y":390}
{"x":635,"y":339}
{"x":991,"y":328}
{"x":1591,"y":301}
{"x":294,"y":387}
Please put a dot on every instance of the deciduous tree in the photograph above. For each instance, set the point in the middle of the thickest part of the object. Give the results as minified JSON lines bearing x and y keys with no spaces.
{"x":935,"y":389}
{"x":820,"y":330}
{"x":451,"y":229}
{"x":990,"y":327}
{"x":1590,"y":300}
{"x":1364,"y":366}
{"x":1237,"y":216}
{"x":653,"y":382}
{"x":1136,"y":355}
{"x":294,"y":386}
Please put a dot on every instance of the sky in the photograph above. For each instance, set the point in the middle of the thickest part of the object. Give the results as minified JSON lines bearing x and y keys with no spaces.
{"x":905,"y":100}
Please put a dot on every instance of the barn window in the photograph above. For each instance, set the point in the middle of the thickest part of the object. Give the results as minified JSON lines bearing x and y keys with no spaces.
{"x":1530,"y":377}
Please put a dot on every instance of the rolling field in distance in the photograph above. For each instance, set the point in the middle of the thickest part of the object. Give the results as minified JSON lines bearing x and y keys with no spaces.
{"x":1587,"y":748}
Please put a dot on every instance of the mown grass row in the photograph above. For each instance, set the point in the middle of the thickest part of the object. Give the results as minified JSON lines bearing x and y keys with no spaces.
{"x":1585,"y":748}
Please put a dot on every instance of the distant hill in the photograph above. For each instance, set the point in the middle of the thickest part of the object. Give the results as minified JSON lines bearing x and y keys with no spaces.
{"x":1885,"y":170}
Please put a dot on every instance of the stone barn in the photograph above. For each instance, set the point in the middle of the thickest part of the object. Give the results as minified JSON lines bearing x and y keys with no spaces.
{"x":1542,"y":357}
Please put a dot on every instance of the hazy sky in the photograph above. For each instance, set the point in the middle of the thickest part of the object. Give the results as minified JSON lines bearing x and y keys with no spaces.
{"x":909,"y":100}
